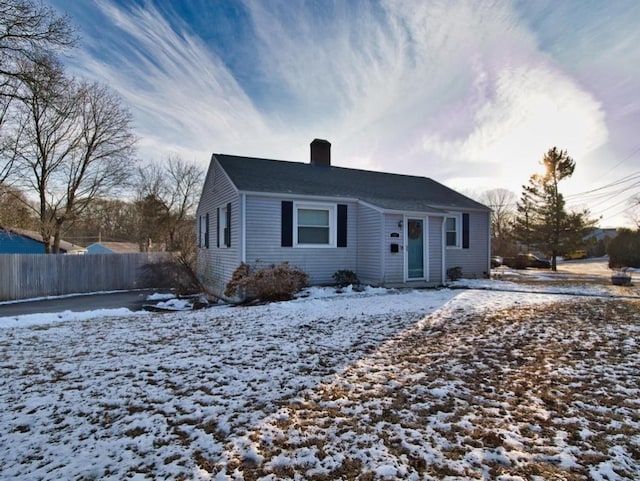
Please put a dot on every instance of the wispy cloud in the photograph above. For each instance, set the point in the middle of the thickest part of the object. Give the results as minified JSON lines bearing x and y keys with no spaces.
{"x":184,"y":98}
{"x":467,"y":92}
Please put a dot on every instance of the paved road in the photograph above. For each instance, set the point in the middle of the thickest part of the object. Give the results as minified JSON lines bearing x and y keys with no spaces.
{"x":132,"y":300}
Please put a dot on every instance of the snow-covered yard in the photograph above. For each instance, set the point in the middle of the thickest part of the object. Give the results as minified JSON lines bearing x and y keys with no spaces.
{"x":434,"y":384}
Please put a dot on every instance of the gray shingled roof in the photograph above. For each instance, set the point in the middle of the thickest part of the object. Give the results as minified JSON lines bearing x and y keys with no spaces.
{"x":388,"y":191}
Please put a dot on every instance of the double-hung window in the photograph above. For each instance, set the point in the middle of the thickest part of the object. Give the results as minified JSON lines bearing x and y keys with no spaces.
{"x":314,"y":225}
{"x":452,"y":231}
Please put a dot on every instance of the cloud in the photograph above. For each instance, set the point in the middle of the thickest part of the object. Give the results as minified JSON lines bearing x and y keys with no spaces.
{"x":465,"y":91}
{"x":530,"y":110}
{"x":183,"y":97}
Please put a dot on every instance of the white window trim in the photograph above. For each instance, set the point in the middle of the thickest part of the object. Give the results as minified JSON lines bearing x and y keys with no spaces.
{"x":458,"y":218}
{"x":333,"y":231}
{"x":223,"y":226}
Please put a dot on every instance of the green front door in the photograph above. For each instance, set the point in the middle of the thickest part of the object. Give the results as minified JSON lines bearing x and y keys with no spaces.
{"x":415,"y":248}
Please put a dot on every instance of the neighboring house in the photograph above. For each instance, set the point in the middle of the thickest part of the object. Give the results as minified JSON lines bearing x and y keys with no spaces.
{"x":20,"y":241}
{"x":113,"y":248}
{"x":390,"y":229}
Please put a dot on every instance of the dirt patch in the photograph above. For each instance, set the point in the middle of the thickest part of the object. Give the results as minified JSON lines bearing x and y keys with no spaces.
{"x":550,"y":391}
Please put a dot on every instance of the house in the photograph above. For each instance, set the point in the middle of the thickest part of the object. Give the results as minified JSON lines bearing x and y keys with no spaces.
{"x":113,"y":248}
{"x":21,"y":241}
{"x":390,"y":229}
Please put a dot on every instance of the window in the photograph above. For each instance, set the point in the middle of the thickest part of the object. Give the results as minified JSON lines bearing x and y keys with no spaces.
{"x":452,"y":228}
{"x":314,"y":225}
{"x":204,"y":231}
{"x":224,"y":226}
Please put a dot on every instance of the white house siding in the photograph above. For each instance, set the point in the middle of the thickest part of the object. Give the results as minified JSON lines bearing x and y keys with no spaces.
{"x":474,"y":260}
{"x":371,"y":245}
{"x":216,"y":264}
{"x":393,"y":261}
{"x":263,"y":242}
{"x":435,"y":249}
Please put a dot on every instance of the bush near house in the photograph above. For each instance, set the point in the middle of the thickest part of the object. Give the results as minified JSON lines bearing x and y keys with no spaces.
{"x":272,"y":283}
{"x":624,"y":249}
{"x":346,"y":278}
{"x":454,"y":273}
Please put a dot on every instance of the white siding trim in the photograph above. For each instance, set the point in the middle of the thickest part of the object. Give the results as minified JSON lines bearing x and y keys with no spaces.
{"x":489,"y":246}
{"x":304,"y":198}
{"x":405,"y":251}
{"x":416,"y":213}
{"x":425,"y":262}
{"x":243,"y":228}
{"x":444,"y":249}
{"x":371,"y":206}
{"x":383,"y":248}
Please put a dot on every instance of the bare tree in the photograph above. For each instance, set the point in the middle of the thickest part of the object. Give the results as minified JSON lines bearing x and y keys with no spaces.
{"x":72,"y":142}
{"x":168,"y":195}
{"x":29,"y":31}
{"x":104,"y":220}
{"x":102,"y":158}
{"x":503,"y":206}
{"x":173,"y":187}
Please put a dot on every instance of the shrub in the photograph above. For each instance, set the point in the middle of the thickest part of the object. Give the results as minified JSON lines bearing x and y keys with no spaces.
{"x":169,"y":274}
{"x":624,"y":249}
{"x":345,"y":278}
{"x":454,"y":273}
{"x":273,"y":283}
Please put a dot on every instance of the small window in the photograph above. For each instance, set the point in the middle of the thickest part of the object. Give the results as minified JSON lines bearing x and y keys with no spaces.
{"x":204,"y":231}
{"x":223,"y":236}
{"x":452,"y":228}
{"x":314,"y":225}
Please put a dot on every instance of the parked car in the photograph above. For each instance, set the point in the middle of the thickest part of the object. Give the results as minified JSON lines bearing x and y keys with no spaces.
{"x":522,"y":261}
{"x":535,"y":261}
{"x":496,"y":261}
{"x":577,"y":254}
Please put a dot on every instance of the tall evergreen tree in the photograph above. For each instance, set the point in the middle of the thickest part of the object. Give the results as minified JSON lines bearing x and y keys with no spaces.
{"x":542,"y":218}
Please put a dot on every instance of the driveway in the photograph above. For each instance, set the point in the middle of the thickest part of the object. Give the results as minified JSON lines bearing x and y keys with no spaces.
{"x":132,"y":300}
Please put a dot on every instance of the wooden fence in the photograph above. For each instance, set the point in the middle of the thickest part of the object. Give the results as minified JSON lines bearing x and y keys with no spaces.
{"x":24,"y":276}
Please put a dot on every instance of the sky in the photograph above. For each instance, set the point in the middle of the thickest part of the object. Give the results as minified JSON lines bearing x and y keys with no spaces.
{"x":469,"y":93}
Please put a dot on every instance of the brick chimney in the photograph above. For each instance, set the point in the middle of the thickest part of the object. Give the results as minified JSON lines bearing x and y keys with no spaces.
{"x":321,"y":153}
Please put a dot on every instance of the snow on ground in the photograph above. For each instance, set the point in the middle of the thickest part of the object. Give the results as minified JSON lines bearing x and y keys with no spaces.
{"x":429,"y":384}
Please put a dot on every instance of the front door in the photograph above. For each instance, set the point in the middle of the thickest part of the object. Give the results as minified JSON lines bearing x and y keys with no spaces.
{"x":415,"y":248}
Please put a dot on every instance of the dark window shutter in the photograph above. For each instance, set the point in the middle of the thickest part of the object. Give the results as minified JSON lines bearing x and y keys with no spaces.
{"x":287,"y":224}
{"x":227,"y":232}
{"x":206,"y":232}
{"x":218,"y":227}
{"x":342,"y":225}
{"x":465,"y":231}
{"x":200,"y":231}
